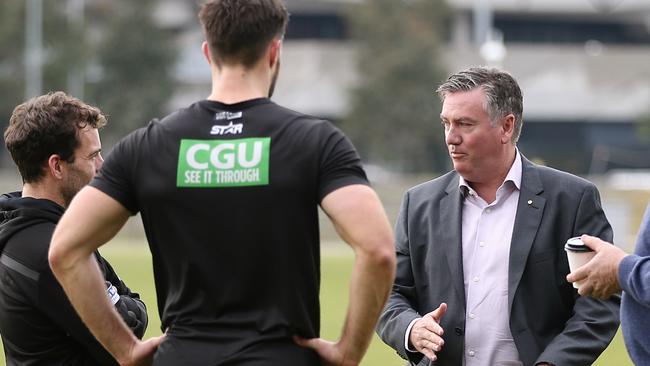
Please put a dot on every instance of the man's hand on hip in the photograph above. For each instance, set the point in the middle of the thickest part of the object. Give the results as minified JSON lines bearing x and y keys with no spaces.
{"x":331,"y":354}
{"x":426,"y":334}
{"x":142,"y":352}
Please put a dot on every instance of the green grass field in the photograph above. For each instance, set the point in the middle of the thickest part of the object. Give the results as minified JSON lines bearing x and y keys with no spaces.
{"x":133,"y":264}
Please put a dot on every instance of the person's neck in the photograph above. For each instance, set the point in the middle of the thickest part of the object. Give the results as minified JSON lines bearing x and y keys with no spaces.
{"x":487,"y":189}
{"x":234,"y":84}
{"x":42,"y":191}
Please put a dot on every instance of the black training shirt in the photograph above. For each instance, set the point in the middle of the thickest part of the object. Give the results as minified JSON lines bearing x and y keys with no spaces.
{"x":228,"y":195}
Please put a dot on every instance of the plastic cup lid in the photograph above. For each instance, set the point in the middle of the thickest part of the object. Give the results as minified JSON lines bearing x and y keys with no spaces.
{"x":575,"y":244}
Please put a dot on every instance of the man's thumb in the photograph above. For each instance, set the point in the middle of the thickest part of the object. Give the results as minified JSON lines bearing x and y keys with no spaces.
{"x":307,"y":342}
{"x":154,"y":342}
{"x":439,"y":312}
{"x":591,"y":241}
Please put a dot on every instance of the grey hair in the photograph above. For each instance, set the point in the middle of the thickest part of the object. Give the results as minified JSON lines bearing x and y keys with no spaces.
{"x":502,"y":93}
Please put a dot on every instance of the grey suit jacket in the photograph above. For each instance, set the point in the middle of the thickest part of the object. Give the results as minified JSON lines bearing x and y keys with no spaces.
{"x":549,"y":321}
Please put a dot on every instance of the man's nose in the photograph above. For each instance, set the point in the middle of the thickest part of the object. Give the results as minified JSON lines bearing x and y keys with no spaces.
{"x":452,"y":137}
{"x":98,"y":163}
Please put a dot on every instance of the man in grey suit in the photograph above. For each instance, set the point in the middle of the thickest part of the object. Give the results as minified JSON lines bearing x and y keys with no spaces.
{"x":480,"y":261}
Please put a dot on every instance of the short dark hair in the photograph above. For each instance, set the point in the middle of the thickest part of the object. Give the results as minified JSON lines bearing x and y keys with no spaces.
{"x":502,"y":93}
{"x":47,"y":125}
{"x":238,"y":31}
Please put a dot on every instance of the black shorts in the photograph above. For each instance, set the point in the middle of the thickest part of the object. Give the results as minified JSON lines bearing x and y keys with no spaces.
{"x":174,"y":352}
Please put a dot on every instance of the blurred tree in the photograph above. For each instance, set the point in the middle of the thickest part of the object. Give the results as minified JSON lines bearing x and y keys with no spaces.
{"x":135,"y":60}
{"x":62,"y":49}
{"x":11,"y":60}
{"x":124,"y":59}
{"x":394,"y":112}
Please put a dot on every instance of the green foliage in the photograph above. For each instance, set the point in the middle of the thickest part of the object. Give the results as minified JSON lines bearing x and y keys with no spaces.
{"x":12,"y":15}
{"x":11,"y":52}
{"x":62,"y":51}
{"x":123,"y":56}
{"x":393,"y":118}
{"x":135,"y":60}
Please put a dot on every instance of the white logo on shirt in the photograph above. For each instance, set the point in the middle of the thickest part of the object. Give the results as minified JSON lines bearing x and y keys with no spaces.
{"x":227,"y":115}
{"x":228,"y":129}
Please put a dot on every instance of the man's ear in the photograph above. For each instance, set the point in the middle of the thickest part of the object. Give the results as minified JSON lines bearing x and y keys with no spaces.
{"x":54,"y":166}
{"x":507,"y":128}
{"x":274,"y":52}
{"x":206,"y":52}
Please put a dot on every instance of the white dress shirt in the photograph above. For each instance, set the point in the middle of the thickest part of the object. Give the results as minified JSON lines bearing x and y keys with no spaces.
{"x":486,"y":235}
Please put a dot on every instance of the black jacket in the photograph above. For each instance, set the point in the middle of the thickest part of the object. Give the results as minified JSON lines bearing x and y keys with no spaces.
{"x":37,"y":322}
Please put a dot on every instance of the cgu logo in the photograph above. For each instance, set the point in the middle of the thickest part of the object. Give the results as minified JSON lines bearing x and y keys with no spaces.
{"x":225,"y":155}
{"x":224,"y":163}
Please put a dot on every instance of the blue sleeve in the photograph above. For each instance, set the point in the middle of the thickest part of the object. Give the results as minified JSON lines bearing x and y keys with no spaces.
{"x":634,"y":271}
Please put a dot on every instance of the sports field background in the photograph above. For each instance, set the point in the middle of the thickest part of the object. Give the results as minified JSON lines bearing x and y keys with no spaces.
{"x":130,"y":257}
{"x":132,"y":261}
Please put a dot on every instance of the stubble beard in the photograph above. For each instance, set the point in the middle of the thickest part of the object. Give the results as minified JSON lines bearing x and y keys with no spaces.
{"x":75,"y":181}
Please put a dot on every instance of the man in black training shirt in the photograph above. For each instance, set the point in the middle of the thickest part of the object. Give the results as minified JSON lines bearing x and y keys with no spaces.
{"x":228,"y":190}
{"x":53,"y":140}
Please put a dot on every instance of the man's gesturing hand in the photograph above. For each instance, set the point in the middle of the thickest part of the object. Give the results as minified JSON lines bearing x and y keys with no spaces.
{"x":426,"y":334}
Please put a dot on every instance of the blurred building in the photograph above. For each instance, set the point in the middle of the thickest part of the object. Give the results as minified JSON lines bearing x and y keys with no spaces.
{"x":584,"y":67}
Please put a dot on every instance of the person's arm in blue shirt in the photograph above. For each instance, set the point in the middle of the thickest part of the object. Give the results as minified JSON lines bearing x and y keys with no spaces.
{"x":634,"y":269}
{"x":612,"y":269}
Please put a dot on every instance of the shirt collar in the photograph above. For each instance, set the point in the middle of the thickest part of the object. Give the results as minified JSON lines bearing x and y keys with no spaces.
{"x":514,"y":176}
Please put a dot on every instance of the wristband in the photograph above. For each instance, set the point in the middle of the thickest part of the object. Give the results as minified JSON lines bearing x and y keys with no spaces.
{"x":111,"y":291}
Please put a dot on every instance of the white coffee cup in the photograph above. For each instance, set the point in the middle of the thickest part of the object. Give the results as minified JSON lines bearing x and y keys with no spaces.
{"x":578,"y":254}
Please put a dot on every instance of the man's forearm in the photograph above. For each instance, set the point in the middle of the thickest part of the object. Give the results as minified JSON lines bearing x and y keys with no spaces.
{"x":85,"y":287}
{"x":360,"y":220}
{"x":370,"y":285}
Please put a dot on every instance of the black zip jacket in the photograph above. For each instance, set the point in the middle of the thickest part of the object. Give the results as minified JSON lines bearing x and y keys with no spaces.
{"x":37,"y":322}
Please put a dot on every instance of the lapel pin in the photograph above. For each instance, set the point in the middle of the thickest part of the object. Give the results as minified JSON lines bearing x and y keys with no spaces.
{"x":530,"y":202}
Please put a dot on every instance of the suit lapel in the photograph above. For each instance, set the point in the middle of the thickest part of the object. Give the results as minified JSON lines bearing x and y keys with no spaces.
{"x":450,"y":233}
{"x":529,"y":215}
